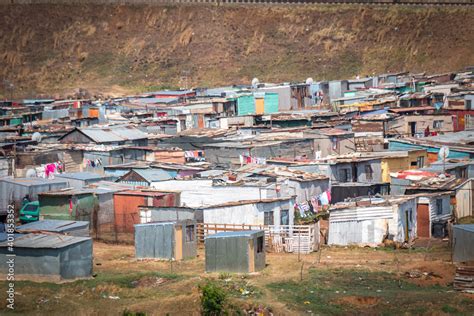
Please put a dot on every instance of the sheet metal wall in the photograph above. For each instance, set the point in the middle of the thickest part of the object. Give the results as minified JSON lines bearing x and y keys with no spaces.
{"x":16,"y":192}
{"x":463,"y":239}
{"x":359,"y":226}
{"x":157,"y":240}
{"x":154,"y":241}
{"x":230,"y":254}
{"x":465,"y":200}
{"x":71,"y":262}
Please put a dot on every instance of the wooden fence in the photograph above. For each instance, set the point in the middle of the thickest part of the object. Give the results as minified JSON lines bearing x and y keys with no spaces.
{"x":281,"y":238}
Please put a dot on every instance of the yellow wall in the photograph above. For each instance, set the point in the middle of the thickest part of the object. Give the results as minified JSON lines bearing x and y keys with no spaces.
{"x":259,"y":106}
{"x":395,"y":164}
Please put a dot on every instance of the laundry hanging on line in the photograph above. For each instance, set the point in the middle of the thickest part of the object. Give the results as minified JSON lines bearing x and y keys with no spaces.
{"x":93,"y":163}
{"x":244,"y":160}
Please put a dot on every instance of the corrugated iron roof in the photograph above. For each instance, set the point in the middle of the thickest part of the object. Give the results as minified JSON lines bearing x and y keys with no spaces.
{"x":110,"y":134}
{"x":144,"y":192}
{"x":81,"y":176}
{"x":152,"y":175}
{"x":243,"y":233}
{"x":468,"y":227}
{"x":33,"y":181}
{"x":38,"y":241}
{"x":52,"y":226}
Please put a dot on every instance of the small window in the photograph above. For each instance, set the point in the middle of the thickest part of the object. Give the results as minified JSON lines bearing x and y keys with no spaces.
{"x":414,"y":164}
{"x":344,"y":175}
{"x":335,"y":143}
{"x":437,"y":124}
{"x":268,"y":218}
{"x":469,"y":105}
{"x":284,"y":218}
{"x":145,"y":217}
{"x":439,"y":206}
{"x":420,"y":162}
{"x":369,"y":173}
{"x":260,"y":244}
{"x":190,"y":233}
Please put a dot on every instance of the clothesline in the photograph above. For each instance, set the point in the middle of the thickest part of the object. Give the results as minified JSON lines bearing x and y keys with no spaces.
{"x":47,"y":171}
{"x":314,"y":204}
{"x":244,"y":159}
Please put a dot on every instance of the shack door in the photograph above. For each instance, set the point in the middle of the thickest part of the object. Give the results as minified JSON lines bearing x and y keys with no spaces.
{"x":178,"y":243}
{"x":423,"y":220}
{"x":200,"y":121}
{"x":412,"y":128}
{"x":259,"y":106}
{"x":251,"y":251}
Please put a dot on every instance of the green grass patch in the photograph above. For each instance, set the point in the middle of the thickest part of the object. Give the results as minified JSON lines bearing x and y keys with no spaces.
{"x":121,"y":280}
{"x":335,"y":292}
{"x":124,"y":280}
{"x":467,"y":220}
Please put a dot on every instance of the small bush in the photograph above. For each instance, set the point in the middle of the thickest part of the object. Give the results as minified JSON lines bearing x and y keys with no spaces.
{"x":213,"y":299}
{"x":449,"y":309}
{"x":129,"y":313}
{"x":224,"y":276}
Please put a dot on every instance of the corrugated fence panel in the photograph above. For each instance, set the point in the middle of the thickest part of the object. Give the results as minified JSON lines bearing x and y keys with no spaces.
{"x":246,"y":105}
{"x":271,"y":102}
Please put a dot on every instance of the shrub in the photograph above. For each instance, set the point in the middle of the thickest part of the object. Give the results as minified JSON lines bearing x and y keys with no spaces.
{"x":213,"y":299}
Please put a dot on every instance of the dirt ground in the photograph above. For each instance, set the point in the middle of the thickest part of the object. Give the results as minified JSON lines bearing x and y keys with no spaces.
{"x":122,"y":283}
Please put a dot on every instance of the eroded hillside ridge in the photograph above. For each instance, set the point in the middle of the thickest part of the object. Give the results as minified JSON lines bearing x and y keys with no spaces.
{"x":58,"y":48}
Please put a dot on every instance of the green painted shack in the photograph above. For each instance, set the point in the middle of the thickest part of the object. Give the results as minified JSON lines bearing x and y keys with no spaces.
{"x":271,"y":102}
{"x":245,"y":105}
{"x":72,"y":204}
{"x":239,"y":251}
{"x":258,"y":103}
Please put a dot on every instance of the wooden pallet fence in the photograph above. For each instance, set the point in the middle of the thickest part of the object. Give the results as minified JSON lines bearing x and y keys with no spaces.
{"x":282,"y":238}
{"x":464,"y":279}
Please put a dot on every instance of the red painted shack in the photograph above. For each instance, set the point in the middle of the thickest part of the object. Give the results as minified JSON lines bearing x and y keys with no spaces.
{"x":126,"y":205}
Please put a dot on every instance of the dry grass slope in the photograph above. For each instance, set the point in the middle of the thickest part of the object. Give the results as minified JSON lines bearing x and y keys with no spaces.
{"x":55,"y":49}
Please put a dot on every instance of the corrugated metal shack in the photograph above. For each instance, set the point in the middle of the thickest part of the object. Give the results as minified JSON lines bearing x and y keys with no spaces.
{"x":126,"y":205}
{"x":54,"y":257}
{"x":145,"y":177}
{"x":166,"y":240}
{"x":463,"y":241}
{"x":161,"y":214}
{"x":73,"y":204}
{"x":105,"y":225}
{"x":111,"y":135}
{"x":70,"y":228}
{"x":369,"y":224}
{"x":241,"y":252}
{"x":15,"y":189}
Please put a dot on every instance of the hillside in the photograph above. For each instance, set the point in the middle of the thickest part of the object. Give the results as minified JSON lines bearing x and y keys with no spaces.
{"x":55,"y":49}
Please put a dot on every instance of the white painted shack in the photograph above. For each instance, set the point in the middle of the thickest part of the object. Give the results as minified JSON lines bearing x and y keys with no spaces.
{"x":199,"y":193}
{"x":393,"y":219}
{"x":257,"y":212}
{"x":278,"y":211}
{"x":465,"y":199}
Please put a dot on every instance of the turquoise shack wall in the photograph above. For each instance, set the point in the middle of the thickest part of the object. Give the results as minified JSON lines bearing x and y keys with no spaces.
{"x":394,"y":145}
{"x":246,"y":105}
{"x":271,"y":103}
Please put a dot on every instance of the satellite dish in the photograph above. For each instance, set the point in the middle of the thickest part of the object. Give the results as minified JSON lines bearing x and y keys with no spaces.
{"x":36,"y":137}
{"x":309,"y":81}
{"x":30,"y":173}
{"x":443,"y":153}
{"x":255,"y":82}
